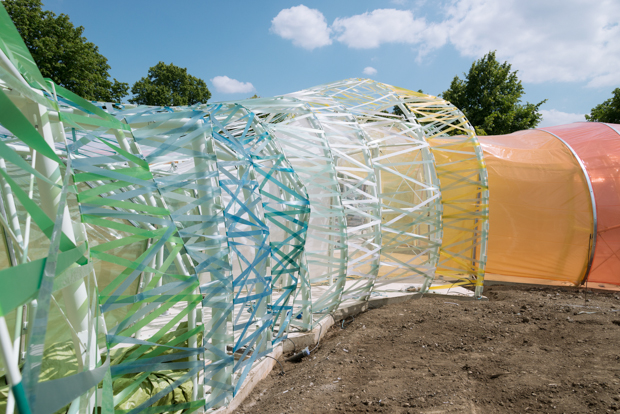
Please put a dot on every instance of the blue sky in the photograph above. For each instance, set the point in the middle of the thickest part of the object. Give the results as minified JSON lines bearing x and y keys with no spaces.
{"x":565,"y":50}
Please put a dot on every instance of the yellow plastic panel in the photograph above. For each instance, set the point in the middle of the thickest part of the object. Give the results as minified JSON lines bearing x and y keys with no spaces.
{"x":463,"y":181}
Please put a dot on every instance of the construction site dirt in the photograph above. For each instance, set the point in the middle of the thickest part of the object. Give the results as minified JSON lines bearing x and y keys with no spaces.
{"x":525,"y":350}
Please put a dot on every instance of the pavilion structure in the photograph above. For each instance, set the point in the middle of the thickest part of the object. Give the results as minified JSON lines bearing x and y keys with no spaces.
{"x":152,"y":256}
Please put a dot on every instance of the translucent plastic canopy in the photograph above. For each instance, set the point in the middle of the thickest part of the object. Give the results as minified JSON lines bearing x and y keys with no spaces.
{"x":555,"y":204}
{"x":215,"y":229}
{"x":540,"y":212}
{"x":185,"y":243}
{"x":460,"y":167}
{"x":598,"y":146}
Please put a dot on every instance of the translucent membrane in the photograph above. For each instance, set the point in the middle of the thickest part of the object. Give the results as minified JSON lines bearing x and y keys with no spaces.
{"x":179,"y":149}
{"x":194,"y":236}
{"x":358,"y":190}
{"x":598,"y":146}
{"x":121,"y":197}
{"x":462,"y":174}
{"x":407,"y":184}
{"x":540,"y":212}
{"x":303,"y":141}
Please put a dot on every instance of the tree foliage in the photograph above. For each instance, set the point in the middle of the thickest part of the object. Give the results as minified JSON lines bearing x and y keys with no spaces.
{"x":608,"y":111}
{"x":396,"y":109}
{"x":490,"y":97}
{"x":62,"y":53}
{"x":169,"y":85}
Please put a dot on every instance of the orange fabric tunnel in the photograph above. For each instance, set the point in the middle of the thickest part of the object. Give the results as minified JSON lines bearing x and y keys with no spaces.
{"x":540,"y":212}
{"x":554,"y":205}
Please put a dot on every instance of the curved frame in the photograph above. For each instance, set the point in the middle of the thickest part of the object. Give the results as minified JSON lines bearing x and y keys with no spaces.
{"x":358,"y":186}
{"x":251,"y":230}
{"x":391,"y":139}
{"x":190,"y":185}
{"x":248,"y":238}
{"x":592,"y":200}
{"x":460,"y":167}
{"x":303,"y":141}
{"x":214,"y":195}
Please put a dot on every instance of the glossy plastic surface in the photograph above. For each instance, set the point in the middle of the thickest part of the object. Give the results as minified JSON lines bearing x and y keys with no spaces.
{"x":598,"y":146}
{"x":540,"y":214}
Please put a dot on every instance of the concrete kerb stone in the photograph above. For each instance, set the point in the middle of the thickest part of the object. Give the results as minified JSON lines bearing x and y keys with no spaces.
{"x":257,"y":373}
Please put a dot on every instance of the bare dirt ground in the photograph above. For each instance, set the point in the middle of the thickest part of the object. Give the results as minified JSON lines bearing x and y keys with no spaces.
{"x":526,"y":350}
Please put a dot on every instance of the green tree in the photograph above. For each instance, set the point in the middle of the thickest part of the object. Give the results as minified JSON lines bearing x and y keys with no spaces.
{"x":396,"y":109}
{"x":169,"y":85}
{"x":62,"y":53}
{"x":490,"y":97}
{"x":608,"y":111}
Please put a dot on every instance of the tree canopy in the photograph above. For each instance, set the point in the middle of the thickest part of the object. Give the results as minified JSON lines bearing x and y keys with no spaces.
{"x":490,"y":97}
{"x":62,"y":53}
{"x":396,"y":109}
{"x":169,"y":85}
{"x":608,"y":111}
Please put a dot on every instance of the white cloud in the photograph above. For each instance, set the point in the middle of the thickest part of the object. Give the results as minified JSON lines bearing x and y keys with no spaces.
{"x":370,"y":71}
{"x":306,"y":27}
{"x":552,"y":40}
{"x":554,"y":117}
{"x":567,"y":41}
{"x":370,"y":30}
{"x":224,"y":84}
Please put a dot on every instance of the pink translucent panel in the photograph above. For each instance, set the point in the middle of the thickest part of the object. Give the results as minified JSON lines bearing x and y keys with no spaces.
{"x":598,"y":146}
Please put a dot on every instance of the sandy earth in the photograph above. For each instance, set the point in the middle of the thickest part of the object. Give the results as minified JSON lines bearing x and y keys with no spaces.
{"x":527,"y":349}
